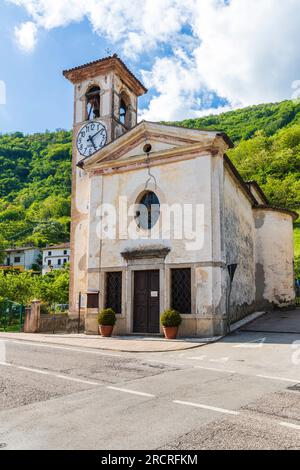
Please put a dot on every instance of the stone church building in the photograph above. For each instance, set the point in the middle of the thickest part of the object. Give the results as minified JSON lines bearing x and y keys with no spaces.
{"x":241,"y":257}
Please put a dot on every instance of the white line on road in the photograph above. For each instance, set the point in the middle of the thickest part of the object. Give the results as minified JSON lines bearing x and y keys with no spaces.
{"x":51,"y":374}
{"x":256,"y":343}
{"x":73,"y":379}
{"x":198,"y":358}
{"x":284,"y":379}
{"x":134,"y":392}
{"x":290,"y":425}
{"x":206,"y":407}
{"x":30,"y":369}
{"x":215,"y":369}
{"x":48,"y":345}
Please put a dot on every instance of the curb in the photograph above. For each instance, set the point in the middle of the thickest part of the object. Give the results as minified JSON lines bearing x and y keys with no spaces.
{"x":199,"y":345}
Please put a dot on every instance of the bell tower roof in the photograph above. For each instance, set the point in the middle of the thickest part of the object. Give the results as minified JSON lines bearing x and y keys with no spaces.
{"x":102,"y":66}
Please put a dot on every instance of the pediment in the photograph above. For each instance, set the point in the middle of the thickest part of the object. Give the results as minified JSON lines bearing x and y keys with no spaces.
{"x":166,"y":141}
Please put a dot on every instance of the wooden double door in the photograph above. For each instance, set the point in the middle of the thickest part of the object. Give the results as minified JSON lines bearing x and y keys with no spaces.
{"x":146,"y":302}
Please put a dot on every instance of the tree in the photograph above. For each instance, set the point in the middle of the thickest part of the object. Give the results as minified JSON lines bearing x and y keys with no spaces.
{"x":49,"y":232}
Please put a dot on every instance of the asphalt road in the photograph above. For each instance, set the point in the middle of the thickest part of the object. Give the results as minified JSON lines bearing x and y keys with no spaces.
{"x":239,"y":393}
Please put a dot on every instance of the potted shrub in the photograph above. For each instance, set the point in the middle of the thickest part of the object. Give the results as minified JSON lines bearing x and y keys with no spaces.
{"x":170,"y":320}
{"x":106,"y":321}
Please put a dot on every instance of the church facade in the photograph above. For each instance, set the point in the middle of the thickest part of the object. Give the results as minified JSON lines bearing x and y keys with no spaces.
{"x":162,"y":219}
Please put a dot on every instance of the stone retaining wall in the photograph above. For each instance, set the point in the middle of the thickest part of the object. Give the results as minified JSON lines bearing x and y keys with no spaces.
{"x":59,"y":324}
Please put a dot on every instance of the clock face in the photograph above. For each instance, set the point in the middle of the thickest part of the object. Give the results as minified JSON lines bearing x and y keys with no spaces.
{"x":91,"y":138}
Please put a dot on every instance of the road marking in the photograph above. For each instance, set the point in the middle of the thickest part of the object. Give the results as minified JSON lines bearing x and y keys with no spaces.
{"x":284,"y":379}
{"x":199,"y":358}
{"x":29,"y":369}
{"x":51,"y":374}
{"x":215,"y":369}
{"x":290,"y":425}
{"x":48,"y":345}
{"x":73,"y":379}
{"x":134,"y":392}
{"x":256,"y":343}
{"x":206,"y":407}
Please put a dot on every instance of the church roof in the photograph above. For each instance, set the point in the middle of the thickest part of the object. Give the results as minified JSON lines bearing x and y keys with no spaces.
{"x":91,"y":69}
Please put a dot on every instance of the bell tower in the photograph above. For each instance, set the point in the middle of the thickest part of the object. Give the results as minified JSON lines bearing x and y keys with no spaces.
{"x":105,"y":107}
{"x":106,"y":98}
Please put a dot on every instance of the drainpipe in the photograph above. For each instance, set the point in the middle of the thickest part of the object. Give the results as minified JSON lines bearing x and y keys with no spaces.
{"x":231,"y":272}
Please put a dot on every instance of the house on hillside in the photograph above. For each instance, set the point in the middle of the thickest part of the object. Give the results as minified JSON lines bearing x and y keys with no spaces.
{"x":55,"y":257}
{"x":161,"y":218}
{"x":21,"y":259}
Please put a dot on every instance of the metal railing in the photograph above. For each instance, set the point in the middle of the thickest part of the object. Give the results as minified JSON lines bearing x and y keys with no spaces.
{"x":11,"y":316}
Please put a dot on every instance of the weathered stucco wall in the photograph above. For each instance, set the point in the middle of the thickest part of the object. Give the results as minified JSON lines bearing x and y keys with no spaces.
{"x":274,"y":259}
{"x":84,"y":193}
{"x":239,"y":236}
{"x":185,"y":182}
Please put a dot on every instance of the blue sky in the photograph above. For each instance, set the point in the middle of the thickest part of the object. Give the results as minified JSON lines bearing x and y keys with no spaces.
{"x":196,"y":56}
{"x":38,"y":97}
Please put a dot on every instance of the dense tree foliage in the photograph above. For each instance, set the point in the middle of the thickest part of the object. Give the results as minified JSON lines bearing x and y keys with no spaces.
{"x":242,"y":124}
{"x":35,"y":186}
{"x":23,"y":287}
{"x":274,"y":162}
{"x":35,"y":179}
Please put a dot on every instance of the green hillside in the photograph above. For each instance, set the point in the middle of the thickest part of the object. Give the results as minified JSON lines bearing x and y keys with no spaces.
{"x":242,"y":124}
{"x":35,"y":179}
{"x":35,"y":186}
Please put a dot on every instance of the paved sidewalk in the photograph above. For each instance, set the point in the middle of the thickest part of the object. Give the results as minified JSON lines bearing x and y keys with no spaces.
{"x":118,"y":343}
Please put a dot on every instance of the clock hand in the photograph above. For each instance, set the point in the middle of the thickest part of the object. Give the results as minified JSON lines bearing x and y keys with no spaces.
{"x":101,"y":130}
{"x":91,"y":140}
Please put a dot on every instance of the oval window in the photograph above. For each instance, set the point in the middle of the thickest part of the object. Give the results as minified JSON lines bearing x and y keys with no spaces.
{"x":148,"y":210}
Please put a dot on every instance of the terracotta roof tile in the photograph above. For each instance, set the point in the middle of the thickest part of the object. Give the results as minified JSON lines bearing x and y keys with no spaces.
{"x":104,"y":59}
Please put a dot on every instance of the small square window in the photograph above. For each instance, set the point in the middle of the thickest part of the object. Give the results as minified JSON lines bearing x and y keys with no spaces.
{"x":92,"y":300}
{"x":65,"y":252}
{"x":49,"y":253}
{"x":17,"y":259}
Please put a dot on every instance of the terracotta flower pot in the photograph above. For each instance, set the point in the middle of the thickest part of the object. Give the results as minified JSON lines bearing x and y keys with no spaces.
{"x":170,"y":332}
{"x":105,"y":330}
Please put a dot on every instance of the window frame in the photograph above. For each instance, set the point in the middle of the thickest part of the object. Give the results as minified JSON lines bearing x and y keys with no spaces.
{"x":107,"y":302}
{"x":140,"y":202}
{"x":92,"y":95}
{"x":172,"y":300}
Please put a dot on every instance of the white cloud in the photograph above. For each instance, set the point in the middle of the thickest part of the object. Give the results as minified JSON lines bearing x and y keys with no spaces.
{"x":250,"y":50}
{"x":2,"y":92}
{"x":245,"y":51}
{"x":142,"y":23}
{"x":177,"y":82}
{"x":26,"y":36}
